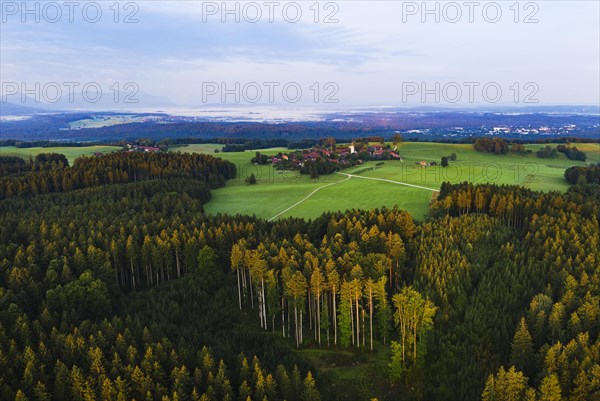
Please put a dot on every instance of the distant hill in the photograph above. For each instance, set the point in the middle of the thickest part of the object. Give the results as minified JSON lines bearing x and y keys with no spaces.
{"x":7,"y":109}
{"x":109,"y":101}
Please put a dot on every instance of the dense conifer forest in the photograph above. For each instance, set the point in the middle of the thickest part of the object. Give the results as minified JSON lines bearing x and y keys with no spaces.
{"x":114,"y":285}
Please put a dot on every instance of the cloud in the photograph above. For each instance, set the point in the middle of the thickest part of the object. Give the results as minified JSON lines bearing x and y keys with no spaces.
{"x":369,"y":52}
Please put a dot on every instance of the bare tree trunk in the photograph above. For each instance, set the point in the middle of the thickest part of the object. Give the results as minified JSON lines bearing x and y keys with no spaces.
{"x":244,"y":283}
{"x":334,"y":319}
{"x":326,"y":300}
{"x":352,"y":321}
{"x":301,"y":328}
{"x":296,"y":318}
{"x":319,"y":315}
{"x":239,"y":288}
{"x":251,"y":294}
{"x":264,"y":303}
{"x":309,"y":312}
{"x":371,"y":315}
{"x":363,"y":328}
{"x":260,"y":306}
{"x":316,"y":302}
{"x":357,"y":324}
{"x":117,"y":276}
{"x":283,"y":316}
{"x":132,"y":274}
{"x":415,"y":337}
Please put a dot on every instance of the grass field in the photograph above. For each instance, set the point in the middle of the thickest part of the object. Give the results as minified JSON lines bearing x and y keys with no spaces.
{"x":401,"y":183}
{"x":70,"y":152}
{"x":351,"y":375}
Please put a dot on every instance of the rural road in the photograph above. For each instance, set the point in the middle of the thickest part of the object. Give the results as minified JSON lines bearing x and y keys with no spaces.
{"x":390,"y":181}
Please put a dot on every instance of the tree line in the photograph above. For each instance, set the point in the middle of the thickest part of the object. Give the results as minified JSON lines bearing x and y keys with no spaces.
{"x":113,"y":168}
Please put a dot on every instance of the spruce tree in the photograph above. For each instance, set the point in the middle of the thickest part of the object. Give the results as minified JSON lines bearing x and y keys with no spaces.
{"x":550,"y":389}
{"x":522,"y":354}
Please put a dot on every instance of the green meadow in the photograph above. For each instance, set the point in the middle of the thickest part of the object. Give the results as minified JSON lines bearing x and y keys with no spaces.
{"x":70,"y":152}
{"x":403,"y":183}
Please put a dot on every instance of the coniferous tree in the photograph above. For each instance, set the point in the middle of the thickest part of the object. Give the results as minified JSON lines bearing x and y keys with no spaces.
{"x":522,"y":354}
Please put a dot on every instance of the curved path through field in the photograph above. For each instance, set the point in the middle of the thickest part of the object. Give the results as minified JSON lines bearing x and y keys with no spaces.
{"x":349,"y":176}
{"x":391,"y":181}
{"x":308,"y":196}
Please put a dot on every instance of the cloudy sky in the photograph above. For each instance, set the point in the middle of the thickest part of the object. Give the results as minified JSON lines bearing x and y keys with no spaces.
{"x":358,"y":53}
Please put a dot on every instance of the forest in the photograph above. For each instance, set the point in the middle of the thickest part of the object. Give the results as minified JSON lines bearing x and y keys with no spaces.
{"x":119,"y":287}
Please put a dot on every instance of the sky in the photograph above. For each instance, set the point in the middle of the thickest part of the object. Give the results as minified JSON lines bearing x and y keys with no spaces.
{"x":298,"y":54}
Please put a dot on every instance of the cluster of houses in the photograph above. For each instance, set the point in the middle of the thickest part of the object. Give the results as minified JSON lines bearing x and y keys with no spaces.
{"x":344,"y":156}
{"x":138,"y":148}
{"x":423,"y":163}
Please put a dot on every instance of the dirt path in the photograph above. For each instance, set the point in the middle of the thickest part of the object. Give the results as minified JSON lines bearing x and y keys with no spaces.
{"x":308,"y":196}
{"x":390,"y":181}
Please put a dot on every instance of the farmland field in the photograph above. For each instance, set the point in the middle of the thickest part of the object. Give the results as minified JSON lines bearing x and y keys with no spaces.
{"x":283,"y":194}
{"x":70,"y":152}
{"x":104,"y":121}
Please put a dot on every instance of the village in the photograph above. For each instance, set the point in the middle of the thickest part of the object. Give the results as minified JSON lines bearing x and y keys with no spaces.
{"x":333,"y":158}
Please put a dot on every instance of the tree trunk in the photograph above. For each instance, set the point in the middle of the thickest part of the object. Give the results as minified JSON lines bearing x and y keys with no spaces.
{"x":251,"y":294}
{"x":264,"y":303}
{"x":334,"y":319}
{"x":260,"y":307}
{"x":116,"y":270}
{"x":319,"y":316}
{"x":296,"y":318}
{"x":301,"y":329}
{"x":310,"y":325}
{"x":352,"y":321}
{"x":363,"y":329}
{"x":371,"y":315}
{"x":239,"y":288}
{"x":357,"y":324}
{"x":415,"y":337}
{"x":282,"y":316}
{"x":132,"y":274}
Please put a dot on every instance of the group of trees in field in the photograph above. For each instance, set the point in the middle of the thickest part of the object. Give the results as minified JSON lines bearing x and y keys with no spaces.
{"x":14,"y":165}
{"x":52,"y":174}
{"x":583,"y":174}
{"x":495,"y":145}
{"x":546,"y":152}
{"x":445,"y":162}
{"x":572,"y":152}
{"x":260,"y":158}
{"x":129,"y":291}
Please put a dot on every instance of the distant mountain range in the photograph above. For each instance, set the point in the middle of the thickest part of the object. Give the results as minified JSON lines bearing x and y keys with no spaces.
{"x":7,"y":109}
{"x":150,"y":103}
{"x":107,"y":102}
